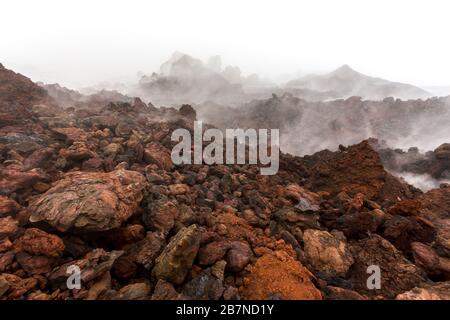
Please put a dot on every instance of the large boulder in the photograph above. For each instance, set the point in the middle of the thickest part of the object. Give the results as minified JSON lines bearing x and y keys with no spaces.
{"x":397,"y":274}
{"x":327,"y":253}
{"x":90,"y":201}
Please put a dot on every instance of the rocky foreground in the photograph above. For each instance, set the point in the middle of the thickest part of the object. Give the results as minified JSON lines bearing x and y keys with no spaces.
{"x":94,"y":186}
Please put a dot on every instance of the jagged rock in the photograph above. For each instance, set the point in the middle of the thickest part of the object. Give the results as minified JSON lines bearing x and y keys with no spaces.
{"x":38,"y":159}
{"x":336,"y":293}
{"x":160,"y":216}
{"x":397,"y":273}
{"x":177,"y":189}
{"x":176,"y":260}
{"x":213,"y":252}
{"x":159,"y":155}
{"x":427,"y":258}
{"x":78,"y":151}
{"x":8,"y":227}
{"x":102,"y":285}
{"x":93,"y":265}
{"x":218,"y":269}
{"x":113,"y":149}
{"x":205,"y":286}
{"x":165,"y":291}
{"x":306,"y":201}
{"x":401,"y":231}
{"x":8,"y":206}
{"x":357,"y":170}
{"x":149,"y":250}
{"x":279,"y":274}
{"x":90,"y":201}
{"x":6,"y":260}
{"x":12,"y":179}
{"x":238,"y":256}
{"x":358,"y":225}
{"x":38,"y":242}
{"x":231,"y":293}
{"x":71,"y":134}
{"x":15,"y":287}
{"x":326,"y":253}
{"x":439,"y":291}
{"x":32,"y":265}
{"x":135,"y":291}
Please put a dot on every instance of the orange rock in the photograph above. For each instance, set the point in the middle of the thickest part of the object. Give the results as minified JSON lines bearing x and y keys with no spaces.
{"x":38,"y":242}
{"x":8,"y":206}
{"x":285,"y":278}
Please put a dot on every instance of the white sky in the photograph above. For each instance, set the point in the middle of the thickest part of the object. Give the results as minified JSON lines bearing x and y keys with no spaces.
{"x":79,"y":43}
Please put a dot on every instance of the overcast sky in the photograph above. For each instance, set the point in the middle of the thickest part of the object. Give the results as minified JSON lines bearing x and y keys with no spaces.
{"x":78,"y":43}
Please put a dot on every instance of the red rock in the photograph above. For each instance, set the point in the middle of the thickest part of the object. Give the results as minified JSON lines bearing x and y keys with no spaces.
{"x":401,"y":231}
{"x":6,"y":259}
{"x":179,"y":188}
{"x":34,"y":264}
{"x":427,"y":258}
{"x":38,"y":242}
{"x":159,"y":155}
{"x":13,"y":180}
{"x":161,"y":216}
{"x":135,"y":291}
{"x":213,"y":252}
{"x":39,"y":158}
{"x":165,"y":291}
{"x":336,"y":293}
{"x":78,"y":151}
{"x":238,"y":256}
{"x":93,"y":265}
{"x":397,"y":273}
{"x":438,"y":291}
{"x":8,"y":227}
{"x":8,"y":206}
{"x":71,"y":134}
{"x":281,"y":276}
{"x":90,"y":201}
{"x":357,"y":170}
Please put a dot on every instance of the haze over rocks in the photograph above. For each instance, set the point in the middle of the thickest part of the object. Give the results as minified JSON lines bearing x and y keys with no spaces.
{"x":90,"y":183}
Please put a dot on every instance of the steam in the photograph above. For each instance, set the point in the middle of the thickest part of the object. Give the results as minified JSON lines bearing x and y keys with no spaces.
{"x":424,"y":182}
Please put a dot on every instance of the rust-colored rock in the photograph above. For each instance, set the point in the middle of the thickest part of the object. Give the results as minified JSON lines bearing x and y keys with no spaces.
{"x":279,"y":275}
{"x":90,"y":201}
{"x":159,"y":155}
{"x":38,"y":242}
{"x":397,"y":273}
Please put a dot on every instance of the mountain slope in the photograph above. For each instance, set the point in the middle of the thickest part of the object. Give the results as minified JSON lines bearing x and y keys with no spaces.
{"x":346,"y":82}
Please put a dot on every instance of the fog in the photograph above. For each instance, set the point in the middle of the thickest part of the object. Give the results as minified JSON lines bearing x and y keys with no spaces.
{"x":422,"y":181}
{"x":82,"y":43}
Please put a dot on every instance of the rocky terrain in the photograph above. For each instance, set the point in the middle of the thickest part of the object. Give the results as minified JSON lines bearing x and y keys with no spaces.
{"x":92,"y":184}
{"x":307,"y":127}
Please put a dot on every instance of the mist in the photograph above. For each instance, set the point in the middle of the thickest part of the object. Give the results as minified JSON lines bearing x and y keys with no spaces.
{"x":83,"y":43}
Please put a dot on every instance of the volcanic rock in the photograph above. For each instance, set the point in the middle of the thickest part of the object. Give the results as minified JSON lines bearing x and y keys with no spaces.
{"x":397,"y":273}
{"x":326,"y":253}
{"x":176,"y":260}
{"x":90,"y":201}
{"x":439,"y":291}
{"x":281,"y":275}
